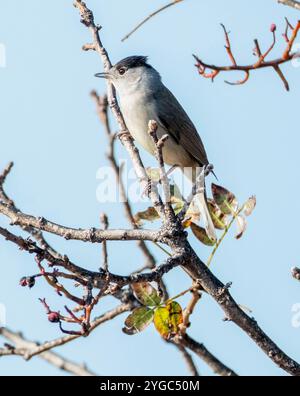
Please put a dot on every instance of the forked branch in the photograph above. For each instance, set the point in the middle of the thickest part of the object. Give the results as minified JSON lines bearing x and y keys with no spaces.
{"x":211,"y":71}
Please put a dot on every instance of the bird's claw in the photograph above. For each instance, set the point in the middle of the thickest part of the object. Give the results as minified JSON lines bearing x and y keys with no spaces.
{"x":124,"y":134}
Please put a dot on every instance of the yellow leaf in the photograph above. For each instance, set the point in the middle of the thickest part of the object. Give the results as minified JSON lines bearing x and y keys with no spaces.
{"x":167,"y":319}
{"x":219,"y":219}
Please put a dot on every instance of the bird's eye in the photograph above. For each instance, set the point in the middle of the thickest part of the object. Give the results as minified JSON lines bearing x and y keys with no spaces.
{"x":122,"y":70}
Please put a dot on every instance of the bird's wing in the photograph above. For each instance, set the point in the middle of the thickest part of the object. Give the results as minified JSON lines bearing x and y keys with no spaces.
{"x":173,"y":118}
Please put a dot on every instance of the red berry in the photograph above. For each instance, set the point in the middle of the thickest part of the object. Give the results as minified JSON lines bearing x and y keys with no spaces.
{"x":23,"y":281}
{"x":53,"y":317}
{"x":273,"y":28}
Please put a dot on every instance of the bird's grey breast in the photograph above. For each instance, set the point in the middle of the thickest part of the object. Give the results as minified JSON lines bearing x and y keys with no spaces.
{"x":138,"y":110}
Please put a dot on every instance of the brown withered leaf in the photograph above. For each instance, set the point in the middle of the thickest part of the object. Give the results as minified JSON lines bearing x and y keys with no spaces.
{"x":241,"y":226}
{"x":201,"y":235}
{"x":225,"y":199}
{"x":146,"y":294}
{"x":149,"y":214}
{"x":250,"y":206}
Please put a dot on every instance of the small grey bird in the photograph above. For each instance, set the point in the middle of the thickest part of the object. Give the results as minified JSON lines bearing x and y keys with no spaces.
{"x":143,"y":97}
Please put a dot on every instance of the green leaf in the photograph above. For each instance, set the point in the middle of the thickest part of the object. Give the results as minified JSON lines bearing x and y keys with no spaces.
{"x":219,"y":219}
{"x":149,"y":214}
{"x":250,"y":206}
{"x":138,"y":320}
{"x":201,"y":235}
{"x":146,"y":294}
{"x":225,"y":199}
{"x":168,"y":319}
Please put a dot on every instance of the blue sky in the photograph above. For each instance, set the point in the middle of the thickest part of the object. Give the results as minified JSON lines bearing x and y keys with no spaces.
{"x":50,"y":129}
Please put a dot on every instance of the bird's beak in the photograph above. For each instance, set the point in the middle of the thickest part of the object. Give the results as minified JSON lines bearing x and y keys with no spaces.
{"x":103,"y":75}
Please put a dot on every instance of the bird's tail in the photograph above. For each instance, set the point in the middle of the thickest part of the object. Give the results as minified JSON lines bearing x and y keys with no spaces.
{"x":200,"y":200}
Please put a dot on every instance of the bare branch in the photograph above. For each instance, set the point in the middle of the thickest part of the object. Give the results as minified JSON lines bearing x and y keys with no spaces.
{"x":216,"y":289}
{"x":97,"y":278}
{"x":159,"y":144}
{"x":290,"y":3}
{"x":287,"y":56}
{"x":37,"y":350}
{"x":189,"y":360}
{"x":22,"y":346}
{"x":215,"y":364}
{"x":92,"y":235}
{"x":149,"y":17}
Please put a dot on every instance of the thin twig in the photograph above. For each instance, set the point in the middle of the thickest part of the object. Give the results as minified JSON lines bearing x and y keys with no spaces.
{"x":66,"y":339}
{"x":188,"y":311}
{"x":104,"y":221}
{"x":149,"y":17}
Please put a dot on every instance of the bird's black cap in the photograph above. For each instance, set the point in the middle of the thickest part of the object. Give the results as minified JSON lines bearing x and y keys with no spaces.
{"x":133,"y":61}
